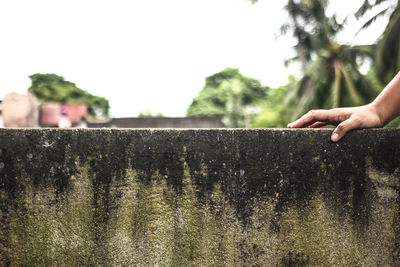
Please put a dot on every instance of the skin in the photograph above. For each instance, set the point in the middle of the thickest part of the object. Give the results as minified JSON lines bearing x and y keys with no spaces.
{"x":381,"y":111}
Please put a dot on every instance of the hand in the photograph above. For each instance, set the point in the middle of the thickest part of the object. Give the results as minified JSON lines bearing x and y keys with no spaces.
{"x":346,"y":119}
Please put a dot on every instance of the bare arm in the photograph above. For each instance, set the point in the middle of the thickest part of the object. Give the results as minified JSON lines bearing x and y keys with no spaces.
{"x":387,"y":102}
{"x":381,"y":111}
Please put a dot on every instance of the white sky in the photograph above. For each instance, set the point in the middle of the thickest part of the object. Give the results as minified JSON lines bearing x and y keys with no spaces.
{"x":149,"y":54}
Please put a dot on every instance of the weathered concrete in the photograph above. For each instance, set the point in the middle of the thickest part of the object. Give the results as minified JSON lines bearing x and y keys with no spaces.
{"x":199,"y":198}
{"x":161,"y":122}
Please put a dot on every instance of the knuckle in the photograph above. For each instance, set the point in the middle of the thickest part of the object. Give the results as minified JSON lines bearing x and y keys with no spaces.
{"x":341,"y":127}
{"x":339,"y":117}
{"x":335,"y":111}
{"x":342,"y":117}
{"x":312,"y":113}
{"x":336,"y":118}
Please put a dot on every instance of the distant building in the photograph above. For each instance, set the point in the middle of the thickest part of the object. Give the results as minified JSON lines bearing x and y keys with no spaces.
{"x":75,"y":112}
{"x":50,"y":115}
{"x":20,"y":110}
{"x":55,"y":115}
{"x":24,"y":110}
{"x":161,"y":122}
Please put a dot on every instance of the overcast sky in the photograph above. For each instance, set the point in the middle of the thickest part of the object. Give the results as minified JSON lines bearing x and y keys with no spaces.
{"x":149,"y":54}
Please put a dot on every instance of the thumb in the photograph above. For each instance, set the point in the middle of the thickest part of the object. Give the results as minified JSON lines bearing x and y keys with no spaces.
{"x":343,"y":128}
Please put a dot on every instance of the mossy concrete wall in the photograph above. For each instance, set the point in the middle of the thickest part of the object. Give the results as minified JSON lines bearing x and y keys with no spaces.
{"x":199,"y":198}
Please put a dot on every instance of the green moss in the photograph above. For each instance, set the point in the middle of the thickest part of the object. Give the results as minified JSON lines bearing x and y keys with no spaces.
{"x":143,"y":232}
{"x":46,"y":234}
{"x":221,"y":232}
{"x":30,"y":235}
{"x":380,"y":178}
{"x":75,"y":227}
{"x":187,"y":225}
{"x":258,"y":237}
{"x":384,"y":217}
{"x":313,"y":236}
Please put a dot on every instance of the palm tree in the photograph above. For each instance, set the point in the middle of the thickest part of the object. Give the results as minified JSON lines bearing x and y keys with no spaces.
{"x":304,"y":13}
{"x":332,"y":80}
{"x":387,"y":53}
{"x":331,"y":76}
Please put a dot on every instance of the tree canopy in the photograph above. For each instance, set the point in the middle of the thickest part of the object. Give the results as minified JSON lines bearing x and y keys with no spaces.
{"x":331,"y":76}
{"x":54,"y":88}
{"x":387,"y":48}
{"x":228,"y":93}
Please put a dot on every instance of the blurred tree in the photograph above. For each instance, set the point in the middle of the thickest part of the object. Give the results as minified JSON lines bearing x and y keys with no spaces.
{"x":301,"y":14}
{"x":331,"y":76}
{"x":53,"y":88}
{"x":331,"y":80}
{"x":387,"y":52}
{"x":228,"y":93}
{"x":273,"y":112}
{"x":148,"y":114}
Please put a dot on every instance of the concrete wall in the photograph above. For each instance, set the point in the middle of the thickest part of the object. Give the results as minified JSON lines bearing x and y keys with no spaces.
{"x":161,"y":122}
{"x":199,"y":198}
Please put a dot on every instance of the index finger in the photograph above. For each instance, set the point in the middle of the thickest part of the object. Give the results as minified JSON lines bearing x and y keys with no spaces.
{"x":311,"y":117}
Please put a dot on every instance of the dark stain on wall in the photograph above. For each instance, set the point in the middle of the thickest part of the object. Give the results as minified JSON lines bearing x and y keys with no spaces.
{"x":301,"y":180}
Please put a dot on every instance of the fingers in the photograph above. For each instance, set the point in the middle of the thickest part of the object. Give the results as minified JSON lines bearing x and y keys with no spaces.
{"x":319,"y":118}
{"x":344,"y":127}
{"x":318,"y":124}
{"x":312,"y":117}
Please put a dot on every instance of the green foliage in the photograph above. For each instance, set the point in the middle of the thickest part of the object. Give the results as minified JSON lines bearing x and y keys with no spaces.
{"x":394,"y":123}
{"x":372,"y":77}
{"x":388,"y":49}
{"x":331,"y":76}
{"x":273,"y":111}
{"x":332,"y":80}
{"x":149,"y":114}
{"x":310,"y":27}
{"x":331,"y":70}
{"x":387,"y":52}
{"x":53,"y":88}
{"x":227,"y":93}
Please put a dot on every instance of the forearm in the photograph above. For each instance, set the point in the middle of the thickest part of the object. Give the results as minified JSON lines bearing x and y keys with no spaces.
{"x":387,"y":103}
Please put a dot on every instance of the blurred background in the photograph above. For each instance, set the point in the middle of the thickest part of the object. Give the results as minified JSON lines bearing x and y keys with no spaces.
{"x":191,"y":63}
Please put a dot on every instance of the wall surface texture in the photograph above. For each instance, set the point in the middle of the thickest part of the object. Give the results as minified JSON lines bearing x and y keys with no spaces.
{"x":199,"y":198}
{"x":161,"y":122}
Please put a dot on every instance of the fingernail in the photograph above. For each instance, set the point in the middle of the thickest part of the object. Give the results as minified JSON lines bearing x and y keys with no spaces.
{"x":335,"y":137}
{"x":290,"y":124}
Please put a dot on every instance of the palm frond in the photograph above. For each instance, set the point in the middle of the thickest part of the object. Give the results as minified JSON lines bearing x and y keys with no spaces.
{"x":306,"y":99}
{"x":386,"y":58}
{"x":363,"y":9}
{"x":372,"y":20}
{"x":398,"y":60}
{"x":363,"y":50}
{"x":354,"y":95}
{"x":295,"y":91}
{"x":287,"y":62}
{"x":336,"y":87}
